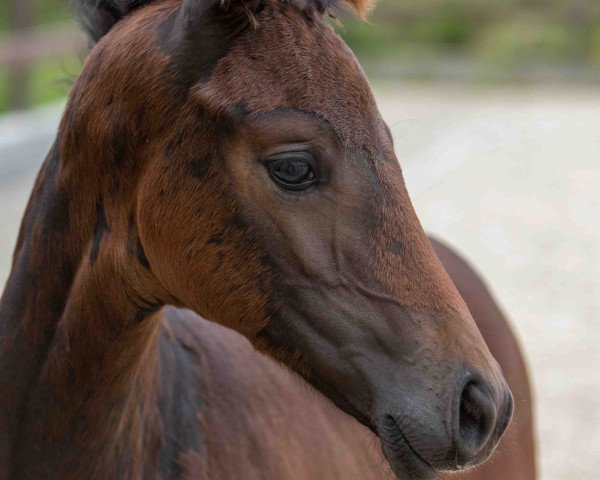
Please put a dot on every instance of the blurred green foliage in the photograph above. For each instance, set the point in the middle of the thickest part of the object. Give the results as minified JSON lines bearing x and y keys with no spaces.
{"x":49,"y":12}
{"x":51,"y":78}
{"x":502,"y":35}
{"x":494,"y":38}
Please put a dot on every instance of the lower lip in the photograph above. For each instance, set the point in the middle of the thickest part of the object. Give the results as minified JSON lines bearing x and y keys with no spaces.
{"x":405,"y":462}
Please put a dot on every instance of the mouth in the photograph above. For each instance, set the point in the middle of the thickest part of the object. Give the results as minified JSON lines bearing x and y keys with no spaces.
{"x":404,"y":460}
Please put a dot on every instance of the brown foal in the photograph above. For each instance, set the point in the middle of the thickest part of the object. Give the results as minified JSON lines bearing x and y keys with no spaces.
{"x":228,"y":158}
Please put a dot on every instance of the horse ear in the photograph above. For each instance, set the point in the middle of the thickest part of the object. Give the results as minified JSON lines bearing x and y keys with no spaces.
{"x":97,"y":17}
{"x":202,"y":32}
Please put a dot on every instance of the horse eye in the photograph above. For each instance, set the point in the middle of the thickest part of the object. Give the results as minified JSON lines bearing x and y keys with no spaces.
{"x":293,"y":171}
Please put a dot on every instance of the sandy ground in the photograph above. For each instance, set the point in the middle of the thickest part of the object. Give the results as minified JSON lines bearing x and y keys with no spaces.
{"x":512,"y":179}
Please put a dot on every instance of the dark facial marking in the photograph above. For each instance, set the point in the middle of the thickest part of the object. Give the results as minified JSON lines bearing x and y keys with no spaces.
{"x":118,"y":147}
{"x":215,"y":240}
{"x":239,"y":110}
{"x":199,"y":167}
{"x":100,"y":230}
{"x":57,"y":221}
{"x":238,"y":221}
{"x":396,"y":247}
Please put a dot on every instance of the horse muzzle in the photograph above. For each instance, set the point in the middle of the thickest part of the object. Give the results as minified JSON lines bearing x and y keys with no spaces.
{"x":419,"y":442}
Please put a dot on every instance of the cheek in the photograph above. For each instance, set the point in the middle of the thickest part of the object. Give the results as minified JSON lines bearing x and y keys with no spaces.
{"x":316,"y":236}
{"x":201,"y":251}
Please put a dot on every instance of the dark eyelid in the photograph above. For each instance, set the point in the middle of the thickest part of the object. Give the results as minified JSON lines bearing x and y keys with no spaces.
{"x":289,"y":148}
{"x":297,"y":154}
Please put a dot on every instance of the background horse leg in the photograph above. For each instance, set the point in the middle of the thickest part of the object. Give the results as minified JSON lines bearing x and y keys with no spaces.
{"x":514,"y":458}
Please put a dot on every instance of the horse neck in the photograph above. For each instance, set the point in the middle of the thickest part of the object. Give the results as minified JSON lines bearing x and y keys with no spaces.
{"x":77,"y":340}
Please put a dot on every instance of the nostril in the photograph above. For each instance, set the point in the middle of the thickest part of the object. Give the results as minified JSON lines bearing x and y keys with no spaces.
{"x":470,"y":419}
{"x":506,"y":414}
{"x":475,"y":422}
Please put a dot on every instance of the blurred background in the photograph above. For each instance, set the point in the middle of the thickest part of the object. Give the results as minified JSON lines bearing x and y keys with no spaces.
{"x":495,"y":110}
{"x":491,"y":41}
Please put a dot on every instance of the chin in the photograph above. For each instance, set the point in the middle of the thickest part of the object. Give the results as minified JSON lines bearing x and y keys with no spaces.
{"x":405,"y":462}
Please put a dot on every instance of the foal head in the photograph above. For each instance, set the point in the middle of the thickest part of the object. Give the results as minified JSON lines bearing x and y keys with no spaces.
{"x":242,"y":141}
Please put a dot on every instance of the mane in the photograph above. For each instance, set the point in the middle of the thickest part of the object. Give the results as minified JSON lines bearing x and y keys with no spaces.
{"x":97,"y":17}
